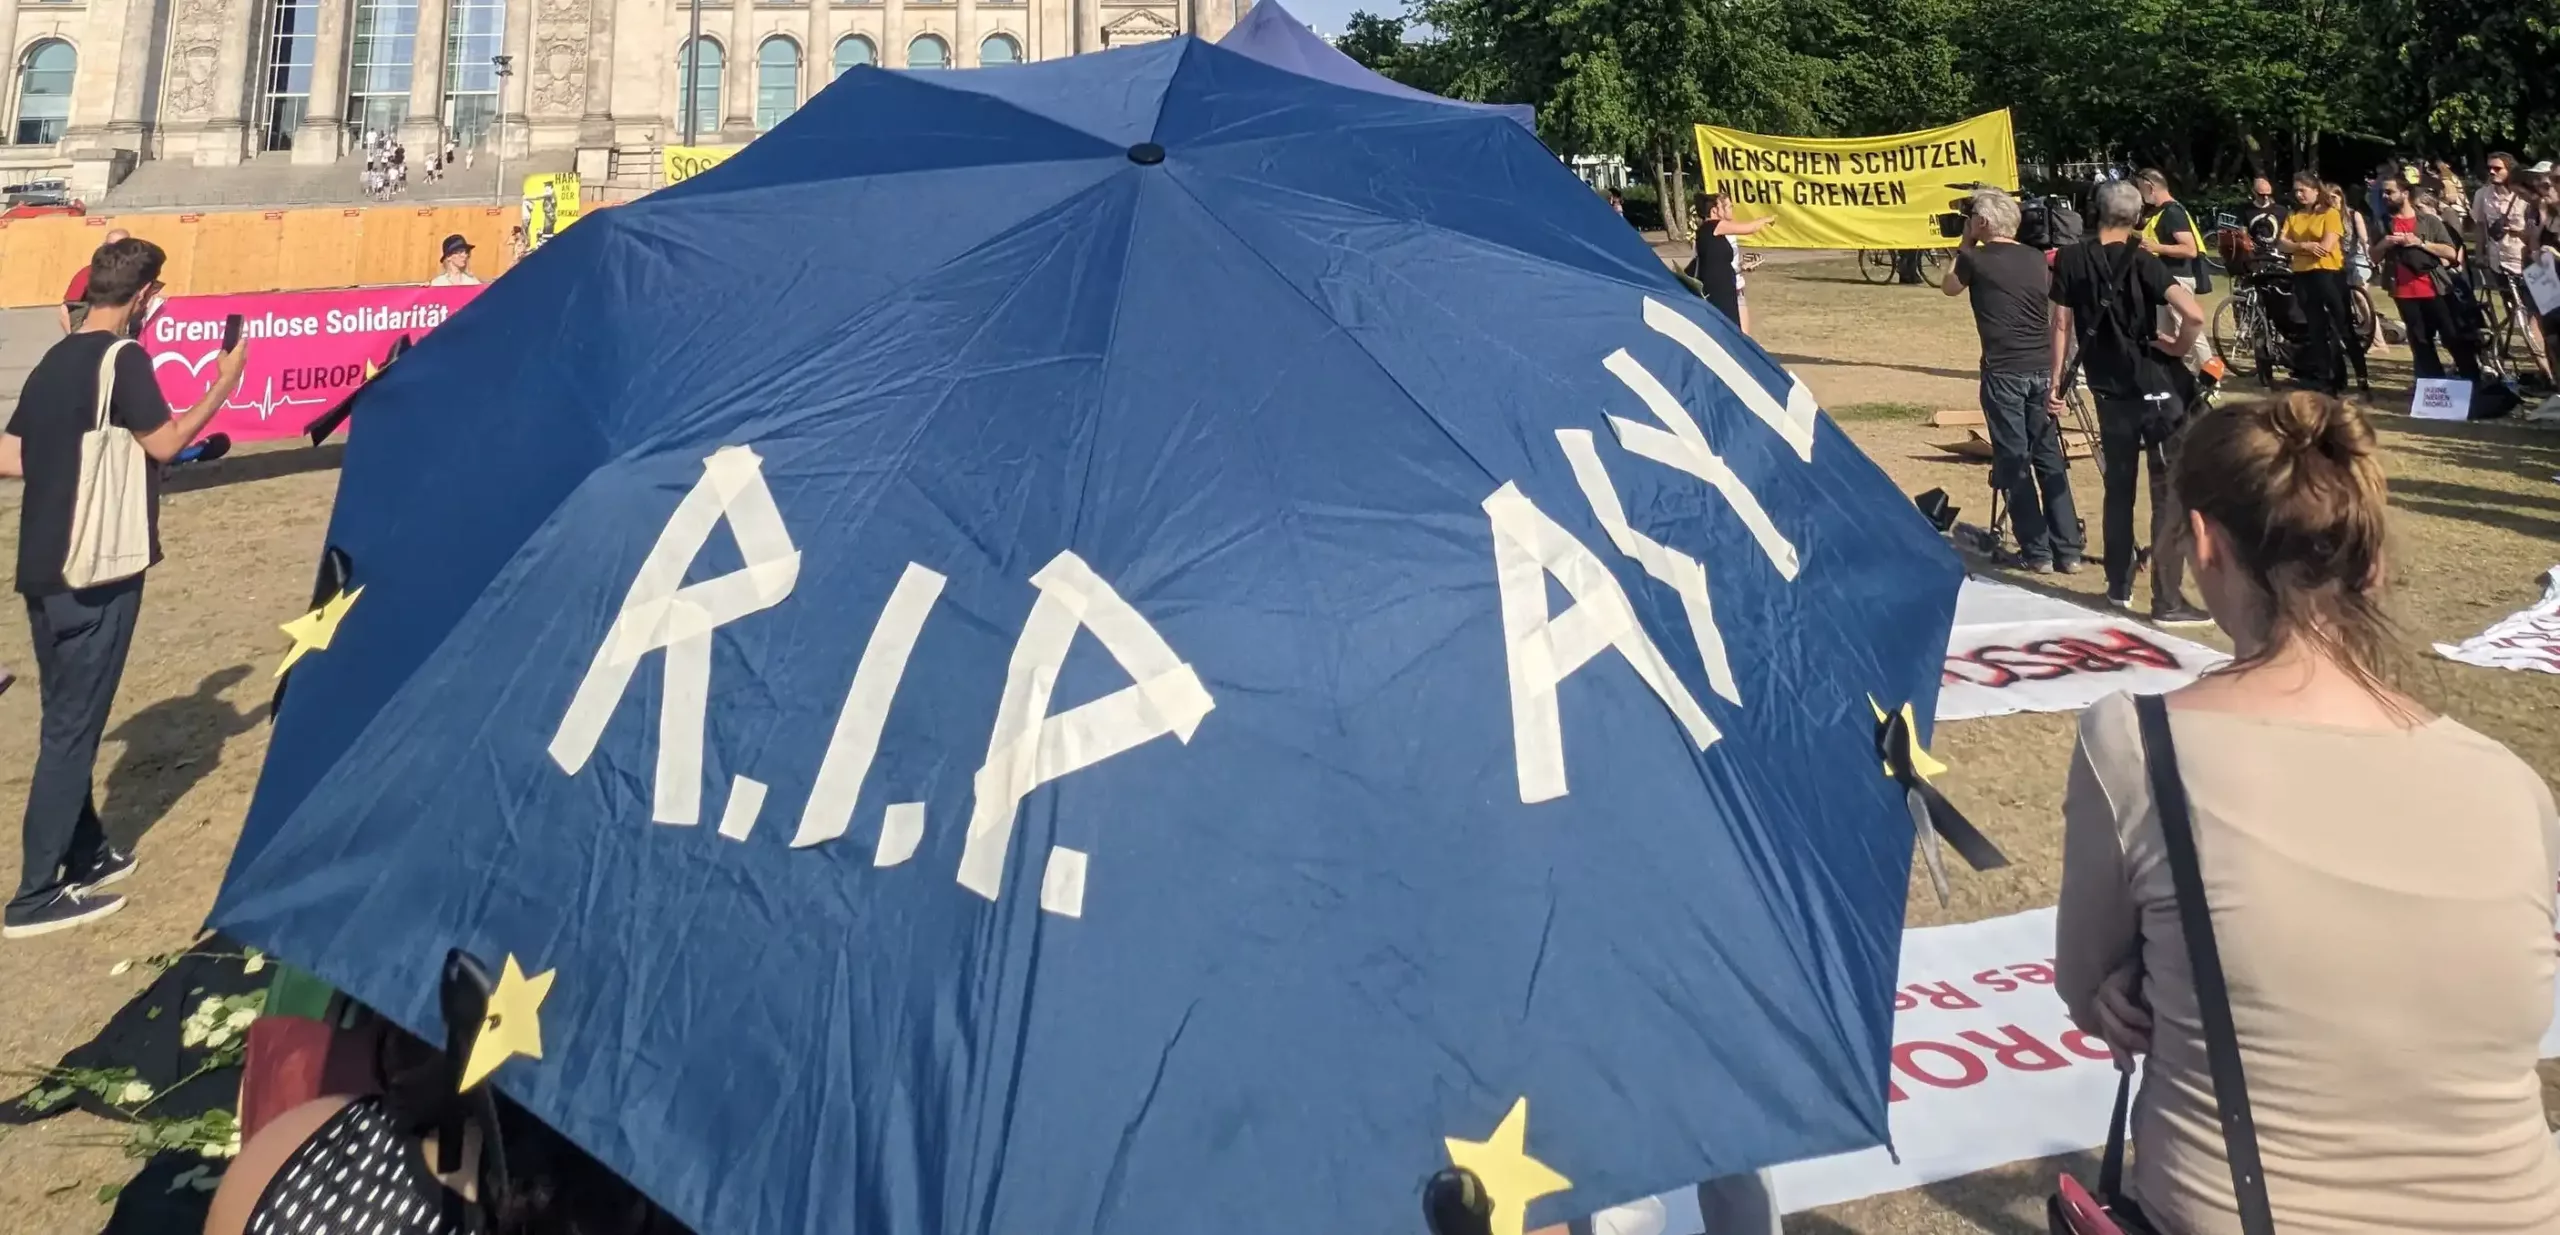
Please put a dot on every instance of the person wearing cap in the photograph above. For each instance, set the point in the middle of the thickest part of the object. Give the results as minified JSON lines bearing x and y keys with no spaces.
{"x":456,"y":270}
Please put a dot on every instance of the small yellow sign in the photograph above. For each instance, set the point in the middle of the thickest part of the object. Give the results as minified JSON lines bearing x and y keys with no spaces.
{"x":686,"y":162}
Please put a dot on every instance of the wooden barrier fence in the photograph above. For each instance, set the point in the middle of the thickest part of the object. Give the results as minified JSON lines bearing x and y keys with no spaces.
{"x":257,"y":250}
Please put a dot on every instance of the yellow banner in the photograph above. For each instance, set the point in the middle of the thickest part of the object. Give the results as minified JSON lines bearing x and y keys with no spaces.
{"x":550,"y":204}
{"x":686,"y":162}
{"x":1856,"y":192}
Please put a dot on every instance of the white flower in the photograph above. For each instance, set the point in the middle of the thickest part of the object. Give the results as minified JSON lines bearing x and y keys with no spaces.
{"x":257,"y":961}
{"x":191,"y":1035}
{"x":219,"y":1038}
{"x":240,"y":1018}
{"x":121,"y":969}
{"x":133,"y":1093}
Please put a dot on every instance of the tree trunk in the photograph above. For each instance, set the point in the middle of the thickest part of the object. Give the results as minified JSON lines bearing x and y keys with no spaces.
{"x":1680,"y":188}
{"x":1674,"y":216}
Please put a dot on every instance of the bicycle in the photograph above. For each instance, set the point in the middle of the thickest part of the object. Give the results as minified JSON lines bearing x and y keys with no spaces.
{"x":1878,"y":265}
{"x":2505,"y":351}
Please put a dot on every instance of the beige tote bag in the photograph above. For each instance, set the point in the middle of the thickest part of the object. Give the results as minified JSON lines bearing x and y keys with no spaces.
{"x":111,"y":516}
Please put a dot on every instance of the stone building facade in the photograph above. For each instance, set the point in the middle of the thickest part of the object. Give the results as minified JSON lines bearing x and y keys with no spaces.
{"x":98,"y":85}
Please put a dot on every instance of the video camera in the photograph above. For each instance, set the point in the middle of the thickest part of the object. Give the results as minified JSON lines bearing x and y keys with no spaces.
{"x":2043,"y":222}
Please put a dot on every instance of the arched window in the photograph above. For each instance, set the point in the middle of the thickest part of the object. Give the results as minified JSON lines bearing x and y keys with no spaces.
{"x":928,"y":52}
{"x":999,"y":49}
{"x":777,"y":81}
{"x":44,"y":92}
{"x":854,"y":51}
{"x":706,"y":93}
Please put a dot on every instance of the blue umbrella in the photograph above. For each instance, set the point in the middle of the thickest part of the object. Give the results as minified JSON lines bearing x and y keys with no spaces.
{"x":1274,"y":36}
{"x":1134,"y":644}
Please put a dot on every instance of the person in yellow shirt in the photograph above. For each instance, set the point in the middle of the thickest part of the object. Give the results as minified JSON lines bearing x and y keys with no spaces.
{"x":2314,"y":241}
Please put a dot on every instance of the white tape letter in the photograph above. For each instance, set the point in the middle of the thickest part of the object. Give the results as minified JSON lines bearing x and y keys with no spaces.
{"x":662,"y":611}
{"x":1686,"y":449}
{"x":1543,"y":650}
{"x":1030,"y":748}
{"x":1682,"y":572}
{"x":1793,"y":421}
{"x":866,"y":709}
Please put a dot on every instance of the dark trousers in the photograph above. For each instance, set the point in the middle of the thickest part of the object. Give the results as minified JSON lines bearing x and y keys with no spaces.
{"x":2027,"y":465}
{"x":81,"y":639}
{"x":2329,"y":334}
{"x":2429,"y":320}
{"x":2129,"y":438}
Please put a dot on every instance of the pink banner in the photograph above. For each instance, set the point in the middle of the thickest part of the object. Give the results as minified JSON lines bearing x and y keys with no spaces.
{"x":307,"y":350}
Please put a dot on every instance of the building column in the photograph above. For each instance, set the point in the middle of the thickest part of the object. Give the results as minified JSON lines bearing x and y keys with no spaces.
{"x":129,"y":124}
{"x":424,"y":128}
{"x":323,"y":130}
{"x":893,"y":34}
{"x":515,"y":132}
{"x":738,"y":92}
{"x":818,"y":51}
{"x":595,"y":121}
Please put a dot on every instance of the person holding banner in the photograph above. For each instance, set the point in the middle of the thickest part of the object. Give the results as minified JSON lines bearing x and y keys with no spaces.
{"x":2107,"y":297}
{"x":1718,"y":265}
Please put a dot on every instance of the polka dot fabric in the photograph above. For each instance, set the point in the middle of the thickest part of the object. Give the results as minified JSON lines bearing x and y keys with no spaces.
{"x":358,"y":1175}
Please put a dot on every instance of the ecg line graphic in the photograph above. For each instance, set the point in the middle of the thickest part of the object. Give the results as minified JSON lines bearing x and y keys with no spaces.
{"x":268,"y":402}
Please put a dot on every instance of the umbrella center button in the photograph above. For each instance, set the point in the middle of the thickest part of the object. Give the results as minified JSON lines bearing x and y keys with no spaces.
{"x":1146,"y":154}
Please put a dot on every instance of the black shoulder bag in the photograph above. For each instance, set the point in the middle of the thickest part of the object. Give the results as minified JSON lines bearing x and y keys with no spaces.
{"x":2072,"y":1211}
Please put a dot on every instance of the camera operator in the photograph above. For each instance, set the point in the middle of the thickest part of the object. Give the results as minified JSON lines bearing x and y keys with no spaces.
{"x":2010,"y":282}
{"x":2108,"y":294}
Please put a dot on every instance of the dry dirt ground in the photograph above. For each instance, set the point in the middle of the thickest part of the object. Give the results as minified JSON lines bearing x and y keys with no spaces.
{"x":2476,"y":513}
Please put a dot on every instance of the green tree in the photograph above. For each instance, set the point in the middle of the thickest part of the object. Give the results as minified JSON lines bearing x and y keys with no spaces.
{"x":1372,"y":40}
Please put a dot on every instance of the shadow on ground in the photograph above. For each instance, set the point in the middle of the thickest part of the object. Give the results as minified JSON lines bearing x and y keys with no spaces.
{"x":168,"y":748}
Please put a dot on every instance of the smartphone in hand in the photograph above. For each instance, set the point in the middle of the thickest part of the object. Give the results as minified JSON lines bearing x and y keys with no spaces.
{"x":231,"y":327}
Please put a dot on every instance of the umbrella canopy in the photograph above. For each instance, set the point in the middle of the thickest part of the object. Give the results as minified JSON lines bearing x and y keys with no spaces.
{"x":1270,"y":34}
{"x":1125,"y":645}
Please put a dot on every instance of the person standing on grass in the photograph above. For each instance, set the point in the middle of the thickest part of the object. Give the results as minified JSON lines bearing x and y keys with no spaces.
{"x":81,"y":636}
{"x":2314,"y":243}
{"x":2378,"y":878}
{"x":2010,"y":284}
{"x":2413,"y":254}
{"x":1718,"y":264}
{"x":75,"y":298}
{"x":2107,"y":297}
{"x":2503,"y":211}
{"x":2169,"y":233}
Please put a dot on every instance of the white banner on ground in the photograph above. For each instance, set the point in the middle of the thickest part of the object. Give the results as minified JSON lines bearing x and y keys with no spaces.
{"x":2526,"y":640}
{"x":1987,"y":1070}
{"x":2013,"y":650}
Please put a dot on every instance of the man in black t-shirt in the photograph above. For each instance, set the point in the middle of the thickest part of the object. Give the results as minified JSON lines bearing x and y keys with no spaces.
{"x":81,"y":636}
{"x":2008,"y":281}
{"x":2108,"y":297}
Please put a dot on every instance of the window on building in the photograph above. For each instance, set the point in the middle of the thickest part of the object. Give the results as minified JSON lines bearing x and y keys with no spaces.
{"x":706,"y":92}
{"x":999,"y":49}
{"x":286,"y":79}
{"x":854,"y":50}
{"x":777,"y":81}
{"x":475,"y":34}
{"x":378,"y":66}
{"x":44,"y":92}
{"x":928,"y":52}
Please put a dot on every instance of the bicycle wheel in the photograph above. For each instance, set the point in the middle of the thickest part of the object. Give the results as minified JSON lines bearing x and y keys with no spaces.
{"x":1875,"y":265}
{"x":2360,"y":313}
{"x":2228,"y":341}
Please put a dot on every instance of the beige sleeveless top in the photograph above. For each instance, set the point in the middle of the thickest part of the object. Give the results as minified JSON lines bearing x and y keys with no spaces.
{"x":2383,"y":903}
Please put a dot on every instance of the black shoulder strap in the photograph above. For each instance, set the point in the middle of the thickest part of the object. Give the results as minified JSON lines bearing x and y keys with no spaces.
{"x":2213,"y":998}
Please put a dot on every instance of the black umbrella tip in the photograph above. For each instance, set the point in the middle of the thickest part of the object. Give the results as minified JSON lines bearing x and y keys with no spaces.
{"x":1146,"y":154}
{"x":1454,"y":1202}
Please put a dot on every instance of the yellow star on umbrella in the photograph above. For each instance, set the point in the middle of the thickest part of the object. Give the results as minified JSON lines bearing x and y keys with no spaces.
{"x":1511,"y":1177}
{"x":312,"y":631}
{"x":513,"y":1024}
{"x":1921,"y":761}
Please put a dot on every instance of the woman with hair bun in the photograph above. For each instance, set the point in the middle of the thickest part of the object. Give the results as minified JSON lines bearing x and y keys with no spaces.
{"x":2379,"y":878}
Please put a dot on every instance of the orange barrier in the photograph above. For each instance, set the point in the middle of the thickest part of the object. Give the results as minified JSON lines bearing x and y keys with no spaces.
{"x":257,"y":251}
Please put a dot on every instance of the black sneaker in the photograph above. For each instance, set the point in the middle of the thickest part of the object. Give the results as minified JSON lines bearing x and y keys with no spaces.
{"x":2181,"y":614}
{"x":108,"y":867}
{"x":69,"y":907}
{"x":2122,"y":601}
{"x":2011,"y":560}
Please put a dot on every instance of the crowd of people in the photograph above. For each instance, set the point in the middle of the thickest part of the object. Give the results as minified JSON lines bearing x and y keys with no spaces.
{"x":386,"y":164}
